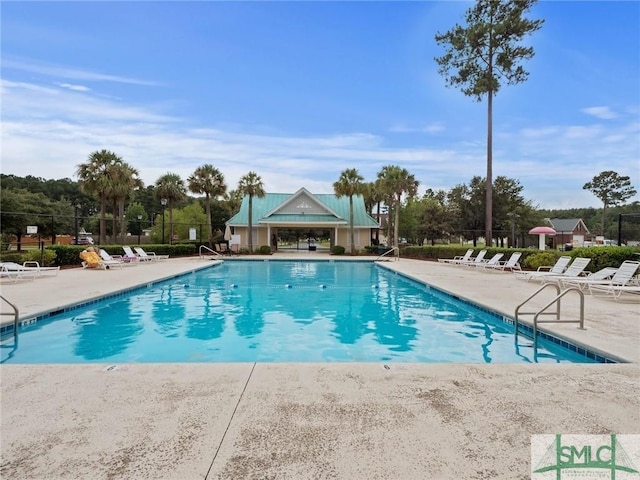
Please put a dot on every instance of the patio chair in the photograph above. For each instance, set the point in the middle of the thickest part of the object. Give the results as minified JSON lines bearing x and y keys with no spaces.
{"x":621,"y":281}
{"x":223,"y":249}
{"x":477,"y":259}
{"x":559,"y":267}
{"x":149,"y":255}
{"x":112,"y":260}
{"x":92,"y":259}
{"x":575,"y":270}
{"x":31,"y":266}
{"x":601,"y":275}
{"x":459,"y":258}
{"x":131,"y":257}
{"x":14,"y":272}
{"x":511,"y":264}
{"x":491,"y":263}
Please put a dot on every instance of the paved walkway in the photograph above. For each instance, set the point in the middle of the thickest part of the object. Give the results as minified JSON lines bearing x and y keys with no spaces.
{"x":309,"y":421}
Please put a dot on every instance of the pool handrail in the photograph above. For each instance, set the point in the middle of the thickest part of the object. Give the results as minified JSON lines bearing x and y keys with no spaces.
{"x":15,"y":314}
{"x":395,"y":250}
{"x":207,"y":248}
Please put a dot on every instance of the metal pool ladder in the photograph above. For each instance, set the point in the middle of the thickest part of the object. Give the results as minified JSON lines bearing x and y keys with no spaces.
{"x":15,"y":315}
{"x":543,"y":310}
{"x":394,"y":250}
{"x":204,"y":247}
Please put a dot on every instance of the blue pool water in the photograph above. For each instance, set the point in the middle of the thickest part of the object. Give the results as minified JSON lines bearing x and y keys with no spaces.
{"x":279,"y":311}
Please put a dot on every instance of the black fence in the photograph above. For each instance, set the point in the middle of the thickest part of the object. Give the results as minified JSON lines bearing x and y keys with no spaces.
{"x":26,"y":230}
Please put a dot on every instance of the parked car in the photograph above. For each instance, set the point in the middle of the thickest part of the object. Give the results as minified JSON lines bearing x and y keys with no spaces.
{"x":85,"y":241}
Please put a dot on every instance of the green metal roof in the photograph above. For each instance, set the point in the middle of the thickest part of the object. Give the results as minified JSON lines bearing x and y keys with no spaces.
{"x":300,"y":218}
{"x":270,"y":203}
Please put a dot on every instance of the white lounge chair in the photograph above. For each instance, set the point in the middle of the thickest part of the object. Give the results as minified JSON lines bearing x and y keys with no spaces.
{"x":129,"y":256}
{"x":459,"y":258}
{"x":491,"y":263}
{"x":479,"y":258}
{"x":111,"y":260}
{"x":602,"y":275}
{"x":149,"y":255}
{"x":511,"y":264}
{"x":14,"y":272}
{"x":30,"y":266}
{"x":560,"y":266}
{"x":623,"y":280}
{"x":575,"y":270}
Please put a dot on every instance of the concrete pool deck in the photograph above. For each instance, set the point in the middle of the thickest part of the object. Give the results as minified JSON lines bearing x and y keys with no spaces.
{"x":299,"y":421}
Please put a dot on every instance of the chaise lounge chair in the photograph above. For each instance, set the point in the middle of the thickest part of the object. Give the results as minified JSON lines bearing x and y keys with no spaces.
{"x":491,"y":263}
{"x":131,"y":257}
{"x":602,"y":275}
{"x":30,"y":266}
{"x":560,"y":266}
{"x":149,"y":255}
{"x":474,"y":260}
{"x":622,"y":281}
{"x":459,"y":258}
{"x":575,"y":270}
{"x":112,"y":260}
{"x":14,"y":272}
{"x":511,"y":264}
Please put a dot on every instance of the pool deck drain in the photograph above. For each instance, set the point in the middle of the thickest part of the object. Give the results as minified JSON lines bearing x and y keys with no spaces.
{"x":299,"y":421}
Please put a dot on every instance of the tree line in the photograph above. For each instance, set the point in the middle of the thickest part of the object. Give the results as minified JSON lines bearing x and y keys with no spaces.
{"x":108,"y":188}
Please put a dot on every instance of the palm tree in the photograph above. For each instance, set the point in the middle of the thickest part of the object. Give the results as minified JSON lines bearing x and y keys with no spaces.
{"x":95,"y":178}
{"x":125,"y":180}
{"x":396,"y":182}
{"x":171,"y":187}
{"x":373,"y":196}
{"x":349,"y":184}
{"x":251,"y":185}
{"x":208,"y":180}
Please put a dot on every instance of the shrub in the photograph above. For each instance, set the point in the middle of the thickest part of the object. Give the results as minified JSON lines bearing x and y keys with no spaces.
{"x":541,"y":259}
{"x":45,"y":258}
{"x":337,"y":250}
{"x":264,"y":250}
{"x":602,"y":257}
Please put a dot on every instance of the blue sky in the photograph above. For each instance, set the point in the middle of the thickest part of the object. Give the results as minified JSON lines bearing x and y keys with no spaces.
{"x":299,"y":91}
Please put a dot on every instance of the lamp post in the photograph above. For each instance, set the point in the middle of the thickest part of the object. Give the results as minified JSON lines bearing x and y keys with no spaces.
{"x":75,"y":217}
{"x":139,"y":227}
{"x":163,"y":202}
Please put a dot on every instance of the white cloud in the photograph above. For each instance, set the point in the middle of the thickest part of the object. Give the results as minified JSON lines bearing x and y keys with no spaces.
{"x":434,"y":127}
{"x":48,"y":131}
{"x":605,"y":113}
{"x":77,"y":88}
{"x":26,"y":65}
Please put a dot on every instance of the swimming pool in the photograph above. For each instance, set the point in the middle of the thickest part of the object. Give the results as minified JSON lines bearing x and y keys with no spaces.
{"x":280,"y":311}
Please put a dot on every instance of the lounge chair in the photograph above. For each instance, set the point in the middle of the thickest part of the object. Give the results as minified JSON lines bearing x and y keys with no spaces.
{"x":223,"y":249}
{"x":112,"y":260}
{"x":129,"y":256}
{"x":477,"y":259}
{"x":601,"y":275}
{"x":91,"y":259}
{"x":491,"y":263}
{"x":511,"y":264}
{"x":623,"y":280}
{"x":560,"y":266}
{"x":150,"y":255}
{"x":459,"y":258}
{"x":575,"y":270}
{"x":14,"y":272}
{"x":30,"y":266}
